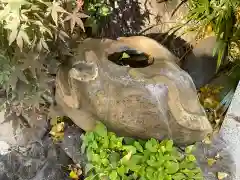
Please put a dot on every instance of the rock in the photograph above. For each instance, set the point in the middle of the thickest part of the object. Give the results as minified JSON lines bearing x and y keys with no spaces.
{"x":230,"y":132}
{"x":6,"y":133}
{"x":226,"y":144}
{"x":20,"y":127}
{"x":4,"y":147}
{"x":71,"y":145}
{"x":157,"y":101}
{"x":35,"y":162}
{"x":200,"y":63}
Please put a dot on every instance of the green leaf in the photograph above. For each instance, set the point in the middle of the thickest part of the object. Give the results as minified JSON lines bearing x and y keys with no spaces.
{"x":113,"y":175}
{"x":101,"y":130}
{"x":130,"y":149}
{"x":189,"y":149}
{"x":151,"y":145}
{"x":126,"y":159}
{"x":121,"y":170}
{"x":88,"y":168}
{"x":178,"y":176}
{"x":138,"y":146}
{"x":211,"y":161}
{"x":169,"y":145}
{"x":171,"y":167}
{"x":191,"y":158}
{"x":149,"y":172}
{"x":129,"y":141}
{"x":114,"y":158}
{"x":188,"y":173}
{"x":136,"y":159}
{"x":198,"y":176}
{"x":125,"y":55}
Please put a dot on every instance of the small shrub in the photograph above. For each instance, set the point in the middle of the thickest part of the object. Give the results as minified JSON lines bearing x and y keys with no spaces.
{"x":115,"y":158}
{"x":222,"y":17}
{"x":97,"y":10}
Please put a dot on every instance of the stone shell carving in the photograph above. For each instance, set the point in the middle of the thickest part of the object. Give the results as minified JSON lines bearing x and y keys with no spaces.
{"x":157,"y":101}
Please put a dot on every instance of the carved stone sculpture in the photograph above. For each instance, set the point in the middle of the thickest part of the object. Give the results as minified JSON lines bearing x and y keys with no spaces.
{"x":158,"y":101}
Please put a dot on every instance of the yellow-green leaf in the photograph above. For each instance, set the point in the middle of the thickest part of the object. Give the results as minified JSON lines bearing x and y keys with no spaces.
{"x":211,"y":161}
{"x":125,"y":55}
{"x":222,"y":175}
{"x":73,"y":175}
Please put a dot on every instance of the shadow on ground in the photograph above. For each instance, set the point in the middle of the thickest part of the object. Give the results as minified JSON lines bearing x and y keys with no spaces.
{"x":126,"y":19}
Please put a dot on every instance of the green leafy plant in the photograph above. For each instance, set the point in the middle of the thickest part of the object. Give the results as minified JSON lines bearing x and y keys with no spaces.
{"x":33,"y":32}
{"x":222,"y":17}
{"x":97,"y":10}
{"x":112,"y":157}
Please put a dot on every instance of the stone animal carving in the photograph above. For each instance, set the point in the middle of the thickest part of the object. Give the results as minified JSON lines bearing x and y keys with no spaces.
{"x":157,"y":101}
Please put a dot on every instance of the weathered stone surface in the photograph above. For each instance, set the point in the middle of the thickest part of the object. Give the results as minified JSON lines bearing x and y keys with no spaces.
{"x":36,"y":162}
{"x":6,"y":133}
{"x":226,"y":144}
{"x":158,"y":101}
{"x":71,"y":145}
{"x":20,"y":127}
{"x":200,"y":63}
{"x":230,"y":132}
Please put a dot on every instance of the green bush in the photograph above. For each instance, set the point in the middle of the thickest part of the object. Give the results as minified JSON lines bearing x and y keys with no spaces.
{"x":115,"y":158}
{"x":223,"y":18}
{"x":97,"y":10}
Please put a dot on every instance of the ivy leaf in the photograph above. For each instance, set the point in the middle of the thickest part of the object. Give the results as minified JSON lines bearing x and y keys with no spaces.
{"x":75,"y":18}
{"x":54,"y":9}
